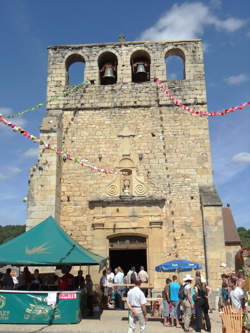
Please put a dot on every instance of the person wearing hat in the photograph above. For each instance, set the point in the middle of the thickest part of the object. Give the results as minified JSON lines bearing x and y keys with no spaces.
{"x":187,"y":303}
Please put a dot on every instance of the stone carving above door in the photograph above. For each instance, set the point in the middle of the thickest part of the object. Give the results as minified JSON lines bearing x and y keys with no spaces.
{"x":127,"y":183}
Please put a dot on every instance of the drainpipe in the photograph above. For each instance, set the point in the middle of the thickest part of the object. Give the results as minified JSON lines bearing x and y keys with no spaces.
{"x":204,"y":242}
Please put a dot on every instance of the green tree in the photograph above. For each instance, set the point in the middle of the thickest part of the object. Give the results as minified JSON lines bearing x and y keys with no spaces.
{"x":10,"y":231}
{"x":244,"y":235}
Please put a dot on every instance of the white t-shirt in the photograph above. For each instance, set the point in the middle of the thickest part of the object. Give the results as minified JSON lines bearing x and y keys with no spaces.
{"x":187,"y":286}
{"x":136,"y":297}
{"x":236,"y":296}
{"x":143,"y":276}
{"x":110,"y":279}
{"x":119,"y":278}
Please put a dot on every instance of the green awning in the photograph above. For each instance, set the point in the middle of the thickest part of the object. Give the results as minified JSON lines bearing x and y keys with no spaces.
{"x":46,"y":245}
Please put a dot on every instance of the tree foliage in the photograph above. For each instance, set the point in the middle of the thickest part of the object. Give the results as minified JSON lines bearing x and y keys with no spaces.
{"x":244,"y":236}
{"x":10,"y":231}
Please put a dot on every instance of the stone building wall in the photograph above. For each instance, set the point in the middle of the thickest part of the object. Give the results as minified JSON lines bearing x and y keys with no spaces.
{"x":131,"y":126}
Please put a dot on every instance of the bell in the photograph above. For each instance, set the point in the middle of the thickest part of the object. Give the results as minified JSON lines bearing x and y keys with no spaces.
{"x":108,"y":76}
{"x":140,"y":69}
{"x":140,"y":74}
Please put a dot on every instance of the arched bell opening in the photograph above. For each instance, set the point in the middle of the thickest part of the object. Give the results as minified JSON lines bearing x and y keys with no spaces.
{"x":175,"y":65}
{"x":140,"y":66}
{"x":75,"y":66}
{"x":107,"y":64}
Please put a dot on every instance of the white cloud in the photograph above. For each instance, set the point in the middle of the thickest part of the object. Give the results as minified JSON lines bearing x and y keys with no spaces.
{"x":237,"y":79}
{"x":9,"y":172}
{"x":242,"y":159}
{"x":188,"y":21}
{"x":32,"y":152}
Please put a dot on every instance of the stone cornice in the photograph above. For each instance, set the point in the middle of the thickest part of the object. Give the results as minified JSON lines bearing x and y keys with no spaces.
{"x":127,"y":201}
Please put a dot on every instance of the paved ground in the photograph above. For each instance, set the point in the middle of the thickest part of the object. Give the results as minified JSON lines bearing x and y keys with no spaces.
{"x":112,"y":321}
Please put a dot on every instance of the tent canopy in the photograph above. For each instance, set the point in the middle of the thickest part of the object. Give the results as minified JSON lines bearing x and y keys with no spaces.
{"x":46,"y":245}
{"x":178,"y":265}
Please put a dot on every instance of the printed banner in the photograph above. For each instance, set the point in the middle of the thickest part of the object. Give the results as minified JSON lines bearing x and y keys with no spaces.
{"x":32,"y":308}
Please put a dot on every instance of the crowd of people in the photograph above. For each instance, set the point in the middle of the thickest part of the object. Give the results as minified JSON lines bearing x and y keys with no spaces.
{"x":184,"y":304}
{"x":188,"y":302}
{"x":112,"y":285}
{"x":232,"y":291}
{"x":28,"y":281}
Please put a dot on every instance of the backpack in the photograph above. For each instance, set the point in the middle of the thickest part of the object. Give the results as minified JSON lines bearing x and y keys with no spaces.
{"x":133,"y":277}
{"x":202,"y":290}
{"x":181,"y":292}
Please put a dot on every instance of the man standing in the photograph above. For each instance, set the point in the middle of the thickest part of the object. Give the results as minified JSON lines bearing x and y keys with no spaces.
{"x":136,"y":302}
{"x":143,"y":277}
{"x":110,"y":280}
{"x":7,"y":280}
{"x":120,"y":290}
{"x":236,"y":295}
{"x":174,"y":298}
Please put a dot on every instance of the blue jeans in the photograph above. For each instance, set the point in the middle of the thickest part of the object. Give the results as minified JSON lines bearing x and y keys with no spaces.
{"x":166,"y":308}
{"x":175,"y":313}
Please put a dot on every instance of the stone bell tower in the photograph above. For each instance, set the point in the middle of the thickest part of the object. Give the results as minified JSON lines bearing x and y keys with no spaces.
{"x":161,"y":203}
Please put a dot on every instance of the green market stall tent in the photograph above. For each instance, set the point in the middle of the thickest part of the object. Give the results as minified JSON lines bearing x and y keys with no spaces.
{"x":46,"y":245}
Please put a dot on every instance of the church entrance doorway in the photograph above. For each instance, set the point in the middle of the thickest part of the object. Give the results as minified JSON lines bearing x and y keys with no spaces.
{"x":128,"y":251}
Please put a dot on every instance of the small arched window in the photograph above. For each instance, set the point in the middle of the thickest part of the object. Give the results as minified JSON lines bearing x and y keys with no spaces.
{"x":75,"y":65}
{"x":107,"y":64}
{"x":140,"y":66}
{"x":175,"y":64}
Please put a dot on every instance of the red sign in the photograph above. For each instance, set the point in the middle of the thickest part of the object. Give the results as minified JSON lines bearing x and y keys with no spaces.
{"x":68,"y":296}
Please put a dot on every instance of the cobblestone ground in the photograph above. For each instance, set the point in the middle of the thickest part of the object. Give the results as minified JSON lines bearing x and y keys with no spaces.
{"x":111,"y":321}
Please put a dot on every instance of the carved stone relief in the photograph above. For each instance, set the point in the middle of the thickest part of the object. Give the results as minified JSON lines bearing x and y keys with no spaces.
{"x":127,"y":183}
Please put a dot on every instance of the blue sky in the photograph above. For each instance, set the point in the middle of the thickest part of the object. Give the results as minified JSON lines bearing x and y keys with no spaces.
{"x":27,"y":27}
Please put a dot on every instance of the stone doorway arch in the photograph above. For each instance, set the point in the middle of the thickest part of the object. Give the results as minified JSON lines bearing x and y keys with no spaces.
{"x":127,"y":251}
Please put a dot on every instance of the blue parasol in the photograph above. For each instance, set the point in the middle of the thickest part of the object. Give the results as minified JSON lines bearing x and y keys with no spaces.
{"x":178,"y":265}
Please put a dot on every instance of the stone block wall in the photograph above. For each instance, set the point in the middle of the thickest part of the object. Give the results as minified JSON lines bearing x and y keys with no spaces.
{"x":130,"y":126}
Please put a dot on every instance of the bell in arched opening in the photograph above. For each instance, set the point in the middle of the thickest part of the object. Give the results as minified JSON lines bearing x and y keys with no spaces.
{"x":108,"y":74}
{"x":140,"y":73}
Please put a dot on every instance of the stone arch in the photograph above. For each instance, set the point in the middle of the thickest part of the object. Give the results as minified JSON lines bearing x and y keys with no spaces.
{"x":76,"y":75}
{"x":177,"y":69}
{"x":107,"y":64}
{"x":126,"y":163}
{"x":127,"y":250}
{"x":121,"y":234}
{"x":140,"y":61}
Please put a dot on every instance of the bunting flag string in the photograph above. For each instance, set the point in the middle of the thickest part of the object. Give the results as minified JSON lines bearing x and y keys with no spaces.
{"x":65,"y":93}
{"x":197,"y":112}
{"x":66,"y":156}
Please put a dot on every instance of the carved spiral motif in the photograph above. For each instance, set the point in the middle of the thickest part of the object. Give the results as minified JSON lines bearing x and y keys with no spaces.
{"x":112,"y":190}
{"x":140,"y":189}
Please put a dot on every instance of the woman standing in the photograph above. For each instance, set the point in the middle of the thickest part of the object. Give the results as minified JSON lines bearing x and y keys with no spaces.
{"x":201,"y":304}
{"x":187,"y":302}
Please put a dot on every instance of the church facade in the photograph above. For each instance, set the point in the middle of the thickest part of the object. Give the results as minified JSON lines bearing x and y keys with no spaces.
{"x":160,"y":203}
